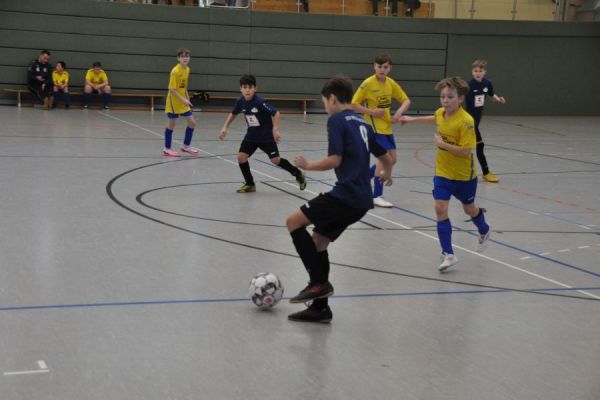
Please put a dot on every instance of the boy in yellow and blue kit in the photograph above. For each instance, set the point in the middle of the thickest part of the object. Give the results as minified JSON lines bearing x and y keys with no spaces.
{"x":96,"y":81}
{"x":455,"y":172}
{"x":374,"y":99}
{"x":60,"y":78}
{"x":178,"y":103}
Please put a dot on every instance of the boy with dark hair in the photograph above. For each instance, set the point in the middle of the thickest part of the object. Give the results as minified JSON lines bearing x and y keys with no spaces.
{"x":39,"y":78}
{"x":178,"y":103}
{"x":96,"y":81}
{"x":351,"y":141}
{"x":263,"y":133}
{"x":455,"y":172}
{"x":373,"y":99}
{"x":479,"y":87}
{"x":60,"y":79}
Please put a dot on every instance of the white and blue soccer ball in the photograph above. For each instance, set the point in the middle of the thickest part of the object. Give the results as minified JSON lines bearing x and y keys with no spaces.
{"x":266,"y":290}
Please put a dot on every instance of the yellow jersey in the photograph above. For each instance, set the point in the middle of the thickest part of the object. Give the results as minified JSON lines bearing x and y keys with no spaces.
{"x":374,"y":94}
{"x":95,"y":78}
{"x":178,"y":81}
{"x":60,"y":79}
{"x":458,"y":130}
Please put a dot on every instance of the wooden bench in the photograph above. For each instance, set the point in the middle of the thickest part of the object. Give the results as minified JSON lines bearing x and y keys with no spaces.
{"x":149,"y":96}
{"x":303,"y":103}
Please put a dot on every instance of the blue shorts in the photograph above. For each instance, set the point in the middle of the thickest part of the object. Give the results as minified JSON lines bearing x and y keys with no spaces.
{"x":386,"y":141}
{"x":175,"y":116}
{"x":463,"y":190}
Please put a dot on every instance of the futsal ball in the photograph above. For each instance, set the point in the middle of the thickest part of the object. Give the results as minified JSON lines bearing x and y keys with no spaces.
{"x":266,"y":290}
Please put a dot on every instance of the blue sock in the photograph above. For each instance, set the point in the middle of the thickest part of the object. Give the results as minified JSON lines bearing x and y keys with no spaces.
{"x":86,"y":98}
{"x":106,"y":99}
{"x":377,"y":187}
{"x":373,"y":170}
{"x":67,"y":97}
{"x":168,"y":137}
{"x":480,"y":223}
{"x":444,"y":230}
{"x":187,"y":140}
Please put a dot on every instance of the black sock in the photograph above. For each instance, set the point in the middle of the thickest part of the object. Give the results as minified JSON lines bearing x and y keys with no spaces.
{"x":308,"y":254}
{"x":285,"y":164}
{"x":245,"y":167}
{"x":324,"y":258}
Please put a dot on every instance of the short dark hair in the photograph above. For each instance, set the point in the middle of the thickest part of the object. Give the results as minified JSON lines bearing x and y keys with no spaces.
{"x":97,"y":64}
{"x":340,"y":86}
{"x":44,"y":51}
{"x":183,"y":52}
{"x":248,"y":80}
{"x":383,"y":58}
{"x":455,"y":82}
{"x":62,"y":64}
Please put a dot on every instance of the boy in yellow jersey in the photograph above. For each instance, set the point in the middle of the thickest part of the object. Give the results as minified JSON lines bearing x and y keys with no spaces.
{"x":455,"y":173}
{"x":60,"y":78}
{"x":374,"y":98}
{"x":96,"y":81}
{"x":178,"y":103}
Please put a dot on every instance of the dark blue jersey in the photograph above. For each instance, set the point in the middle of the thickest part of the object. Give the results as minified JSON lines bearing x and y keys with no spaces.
{"x":36,"y":69}
{"x":259,"y":117}
{"x":476,"y":97}
{"x":352,"y":138}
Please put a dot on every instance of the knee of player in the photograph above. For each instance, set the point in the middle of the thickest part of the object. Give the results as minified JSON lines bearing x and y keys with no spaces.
{"x":191,"y":122}
{"x":107,"y":89}
{"x":87,"y":89}
{"x":242,"y":158}
{"x":441,"y":209}
{"x":276,"y":160}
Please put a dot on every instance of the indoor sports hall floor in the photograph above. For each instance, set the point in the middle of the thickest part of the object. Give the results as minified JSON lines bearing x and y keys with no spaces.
{"x":124,"y":274}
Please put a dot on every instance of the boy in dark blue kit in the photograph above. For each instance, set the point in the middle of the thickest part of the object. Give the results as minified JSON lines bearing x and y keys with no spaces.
{"x":351,"y":141}
{"x":479,"y":88}
{"x":263,"y":133}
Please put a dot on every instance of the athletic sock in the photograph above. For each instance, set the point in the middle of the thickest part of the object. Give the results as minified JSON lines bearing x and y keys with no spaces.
{"x":444,"y":230}
{"x":168,"y":137}
{"x":377,"y":187}
{"x":189,"y":132}
{"x":86,"y":98}
{"x":245,"y":167}
{"x":480,"y":223}
{"x":308,"y":253}
{"x":285,"y":164}
{"x":67,"y":97}
{"x":106,"y":99}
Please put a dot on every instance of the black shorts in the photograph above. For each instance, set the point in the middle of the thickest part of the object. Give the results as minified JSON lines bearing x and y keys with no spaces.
{"x":269,"y":148}
{"x":331,"y":216}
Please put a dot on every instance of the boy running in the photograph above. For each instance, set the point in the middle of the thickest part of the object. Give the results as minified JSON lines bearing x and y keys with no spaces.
{"x":263,"y":133}
{"x":178,"y":103}
{"x":374,"y":99}
{"x":351,"y":141}
{"x":455,"y":172}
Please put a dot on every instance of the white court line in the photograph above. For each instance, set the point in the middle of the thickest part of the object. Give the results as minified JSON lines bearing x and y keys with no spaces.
{"x":583,"y":247}
{"x":43,"y":369}
{"x":525,"y":258}
{"x":564,"y":250}
{"x":383,"y":219}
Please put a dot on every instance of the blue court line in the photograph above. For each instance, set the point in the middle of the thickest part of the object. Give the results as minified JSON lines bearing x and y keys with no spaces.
{"x":238,"y":300}
{"x":459,"y":229}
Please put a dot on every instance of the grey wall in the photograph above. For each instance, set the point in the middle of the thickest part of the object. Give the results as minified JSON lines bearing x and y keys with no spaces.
{"x":542,"y":68}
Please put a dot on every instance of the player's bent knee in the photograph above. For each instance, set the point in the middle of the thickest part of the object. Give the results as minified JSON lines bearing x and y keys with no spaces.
{"x":276,"y":160}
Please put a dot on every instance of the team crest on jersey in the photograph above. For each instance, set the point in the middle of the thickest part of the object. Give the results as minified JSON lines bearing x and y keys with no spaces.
{"x":485,"y":90}
{"x":254,"y":110}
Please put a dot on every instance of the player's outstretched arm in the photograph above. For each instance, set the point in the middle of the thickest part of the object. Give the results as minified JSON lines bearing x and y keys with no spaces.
{"x":276,"y":122}
{"x":429,"y":119}
{"x":228,"y":122}
{"x":324,"y":164}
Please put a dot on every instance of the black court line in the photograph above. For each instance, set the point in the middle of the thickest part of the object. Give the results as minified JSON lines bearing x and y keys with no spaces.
{"x":542,"y":154}
{"x":113,"y":197}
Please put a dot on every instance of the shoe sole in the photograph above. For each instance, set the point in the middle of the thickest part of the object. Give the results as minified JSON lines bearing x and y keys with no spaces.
{"x":192,"y":153}
{"x":320,"y":321}
{"x":324,"y":296}
{"x":386,"y":206}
